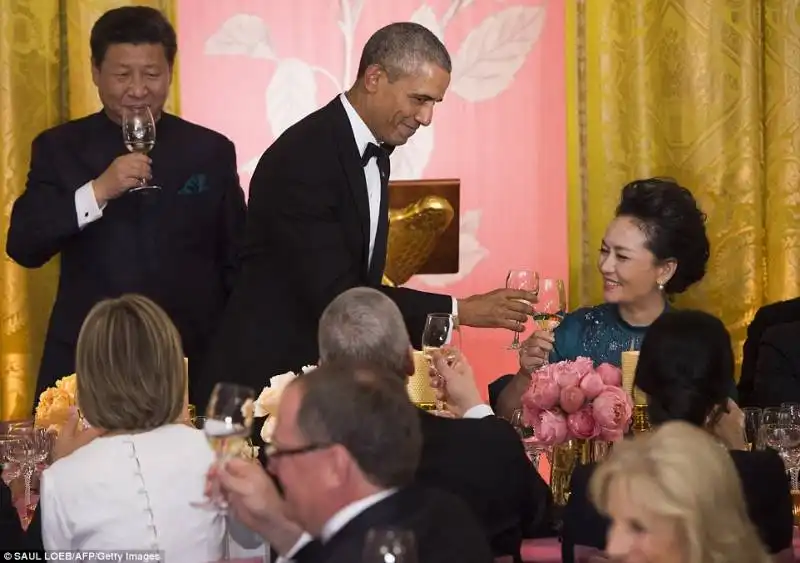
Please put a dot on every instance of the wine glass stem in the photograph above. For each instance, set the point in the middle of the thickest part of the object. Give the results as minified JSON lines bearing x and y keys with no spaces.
{"x":28,"y":478}
{"x":515,"y":342}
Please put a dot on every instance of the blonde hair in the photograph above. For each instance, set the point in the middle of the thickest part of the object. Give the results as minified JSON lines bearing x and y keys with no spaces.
{"x":680,"y":472}
{"x":129,"y":365}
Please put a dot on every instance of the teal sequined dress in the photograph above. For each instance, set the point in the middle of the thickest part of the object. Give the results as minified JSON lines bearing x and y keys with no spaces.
{"x":598,"y":333}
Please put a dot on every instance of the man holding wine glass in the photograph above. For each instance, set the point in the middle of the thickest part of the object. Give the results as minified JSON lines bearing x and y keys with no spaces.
{"x":90,"y":197}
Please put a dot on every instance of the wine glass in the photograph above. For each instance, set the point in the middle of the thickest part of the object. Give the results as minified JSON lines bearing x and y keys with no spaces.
{"x":389,"y":545}
{"x":229,"y":417}
{"x":752,"y":426}
{"x":551,"y":304}
{"x":440,"y":329}
{"x":28,"y":449}
{"x":139,"y":135}
{"x":526,"y":280}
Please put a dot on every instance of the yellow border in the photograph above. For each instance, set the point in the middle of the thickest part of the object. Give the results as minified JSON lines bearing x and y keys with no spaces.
{"x":575,"y":172}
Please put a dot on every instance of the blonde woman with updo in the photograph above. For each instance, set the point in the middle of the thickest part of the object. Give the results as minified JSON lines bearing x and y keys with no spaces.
{"x":674,"y":496}
{"x":133,"y":485}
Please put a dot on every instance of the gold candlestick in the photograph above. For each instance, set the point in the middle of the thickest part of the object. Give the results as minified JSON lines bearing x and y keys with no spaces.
{"x":419,"y":385}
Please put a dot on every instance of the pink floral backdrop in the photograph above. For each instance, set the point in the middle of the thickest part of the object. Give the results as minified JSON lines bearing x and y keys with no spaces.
{"x":250,"y":69}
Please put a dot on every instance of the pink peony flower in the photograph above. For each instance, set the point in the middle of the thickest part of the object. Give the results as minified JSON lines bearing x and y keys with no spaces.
{"x":582,"y":424}
{"x":610,"y":374}
{"x":584,"y":366}
{"x":550,"y":428}
{"x":592,"y":385}
{"x":572,"y":399}
{"x":566,"y":374}
{"x":610,"y":435}
{"x":543,"y":392}
{"x":613,"y":409}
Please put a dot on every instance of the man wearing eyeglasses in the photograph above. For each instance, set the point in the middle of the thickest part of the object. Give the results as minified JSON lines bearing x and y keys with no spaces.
{"x":345,"y":449}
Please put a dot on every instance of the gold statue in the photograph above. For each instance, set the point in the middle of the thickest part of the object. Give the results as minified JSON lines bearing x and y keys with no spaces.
{"x":414,"y":232}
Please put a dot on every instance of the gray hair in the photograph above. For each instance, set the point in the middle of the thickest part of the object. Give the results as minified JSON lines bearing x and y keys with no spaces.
{"x":401,"y":48}
{"x":363,"y":326}
{"x":367,"y":412}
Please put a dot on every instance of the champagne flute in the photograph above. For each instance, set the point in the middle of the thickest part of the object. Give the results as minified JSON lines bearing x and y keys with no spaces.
{"x":227,"y":424}
{"x":390,"y":545}
{"x":526,"y":280}
{"x":551,"y":305}
{"x":440,"y":329}
{"x":139,"y":135}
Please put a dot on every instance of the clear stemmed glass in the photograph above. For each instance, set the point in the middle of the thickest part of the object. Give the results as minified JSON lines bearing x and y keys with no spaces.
{"x":551,"y":304}
{"x":752,"y":426}
{"x":441,"y":329}
{"x":28,"y":449}
{"x":227,"y":424}
{"x":390,"y":545}
{"x":139,"y":135}
{"x":527,"y":280}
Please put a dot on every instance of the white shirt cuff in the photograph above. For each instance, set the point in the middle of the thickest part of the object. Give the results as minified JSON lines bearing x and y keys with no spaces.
{"x":455,"y":306}
{"x":86,"y":206}
{"x":300,"y":544}
{"x":479,"y":411}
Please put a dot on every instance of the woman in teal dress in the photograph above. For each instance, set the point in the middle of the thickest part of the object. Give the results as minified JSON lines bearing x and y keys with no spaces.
{"x":656,"y":247}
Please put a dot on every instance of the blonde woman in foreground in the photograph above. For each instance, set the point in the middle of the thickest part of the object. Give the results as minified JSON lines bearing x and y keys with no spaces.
{"x":665,"y":509}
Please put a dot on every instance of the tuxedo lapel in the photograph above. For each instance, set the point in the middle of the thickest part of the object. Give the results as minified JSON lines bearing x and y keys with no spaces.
{"x":382,"y":235}
{"x":353,"y":169}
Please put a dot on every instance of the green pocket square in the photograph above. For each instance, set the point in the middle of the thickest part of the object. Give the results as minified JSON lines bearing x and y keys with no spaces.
{"x":198,"y":183}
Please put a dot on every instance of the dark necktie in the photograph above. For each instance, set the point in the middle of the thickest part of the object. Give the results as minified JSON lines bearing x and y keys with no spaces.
{"x":381,"y":154}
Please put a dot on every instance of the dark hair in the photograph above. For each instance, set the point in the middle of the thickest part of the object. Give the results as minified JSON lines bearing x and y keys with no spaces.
{"x":136,"y":25}
{"x":685,"y":367}
{"x":673,"y":224}
{"x":368,"y":411}
{"x":400,"y":48}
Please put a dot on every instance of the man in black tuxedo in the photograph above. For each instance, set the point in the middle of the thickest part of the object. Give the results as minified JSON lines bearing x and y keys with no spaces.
{"x":175,"y":245}
{"x":766,"y":317}
{"x":317,"y":221}
{"x":777,"y":377}
{"x":345,"y":449}
{"x":479,"y":458}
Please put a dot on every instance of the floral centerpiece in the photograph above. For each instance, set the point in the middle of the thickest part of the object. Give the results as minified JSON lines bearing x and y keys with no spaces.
{"x":55,"y":404}
{"x":267,"y":403}
{"x":575,"y":410}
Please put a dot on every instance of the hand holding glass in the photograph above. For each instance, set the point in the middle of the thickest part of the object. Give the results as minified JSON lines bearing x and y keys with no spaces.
{"x":440,"y":329}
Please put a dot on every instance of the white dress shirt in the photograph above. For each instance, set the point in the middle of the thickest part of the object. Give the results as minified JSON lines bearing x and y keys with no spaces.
{"x":86,"y":207}
{"x":133,"y":491}
{"x":372,"y":175}
{"x":479,"y":411}
{"x":337,"y":522}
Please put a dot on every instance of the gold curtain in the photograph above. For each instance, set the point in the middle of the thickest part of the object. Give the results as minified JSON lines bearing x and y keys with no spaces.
{"x":705,"y":92}
{"x":45,"y":79}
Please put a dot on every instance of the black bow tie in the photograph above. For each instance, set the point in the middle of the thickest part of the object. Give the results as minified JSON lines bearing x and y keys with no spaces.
{"x":382,"y":151}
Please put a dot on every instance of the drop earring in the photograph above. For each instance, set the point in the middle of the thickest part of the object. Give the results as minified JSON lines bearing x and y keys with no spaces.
{"x":661,"y":286}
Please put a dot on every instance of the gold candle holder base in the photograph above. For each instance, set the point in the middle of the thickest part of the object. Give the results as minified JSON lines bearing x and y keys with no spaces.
{"x":641,"y":422}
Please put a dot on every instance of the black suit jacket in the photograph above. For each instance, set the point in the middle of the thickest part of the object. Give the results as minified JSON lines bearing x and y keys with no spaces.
{"x":764,"y":483}
{"x":483,"y":462}
{"x":443,"y":526}
{"x":175,"y":247}
{"x":306,"y":241}
{"x":777,"y":377}
{"x":767,"y":316}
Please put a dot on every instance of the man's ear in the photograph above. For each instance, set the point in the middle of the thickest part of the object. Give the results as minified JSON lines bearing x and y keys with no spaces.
{"x":411,"y":368}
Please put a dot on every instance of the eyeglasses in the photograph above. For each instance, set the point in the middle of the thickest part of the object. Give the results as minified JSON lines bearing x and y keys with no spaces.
{"x":274,"y":452}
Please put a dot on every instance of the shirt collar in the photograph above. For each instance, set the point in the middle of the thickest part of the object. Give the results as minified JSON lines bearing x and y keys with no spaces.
{"x":341,"y":518}
{"x":361,"y":132}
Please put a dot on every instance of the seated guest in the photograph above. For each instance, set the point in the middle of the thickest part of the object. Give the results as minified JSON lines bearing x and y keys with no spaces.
{"x":655,"y":248}
{"x":675,"y":496}
{"x":685,"y":367}
{"x":504,"y":490}
{"x":132,"y":486}
{"x":344,"y":450}
{"x":765,"y":318}
{"x":777,"y":375}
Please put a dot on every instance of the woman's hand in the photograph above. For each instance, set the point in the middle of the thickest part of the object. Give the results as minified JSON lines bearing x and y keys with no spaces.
{"x":730,"y":427}
{"x":535,"y":351}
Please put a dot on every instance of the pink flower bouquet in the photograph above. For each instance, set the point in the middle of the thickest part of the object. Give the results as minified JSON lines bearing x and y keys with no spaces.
{"x":574,"y":400}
